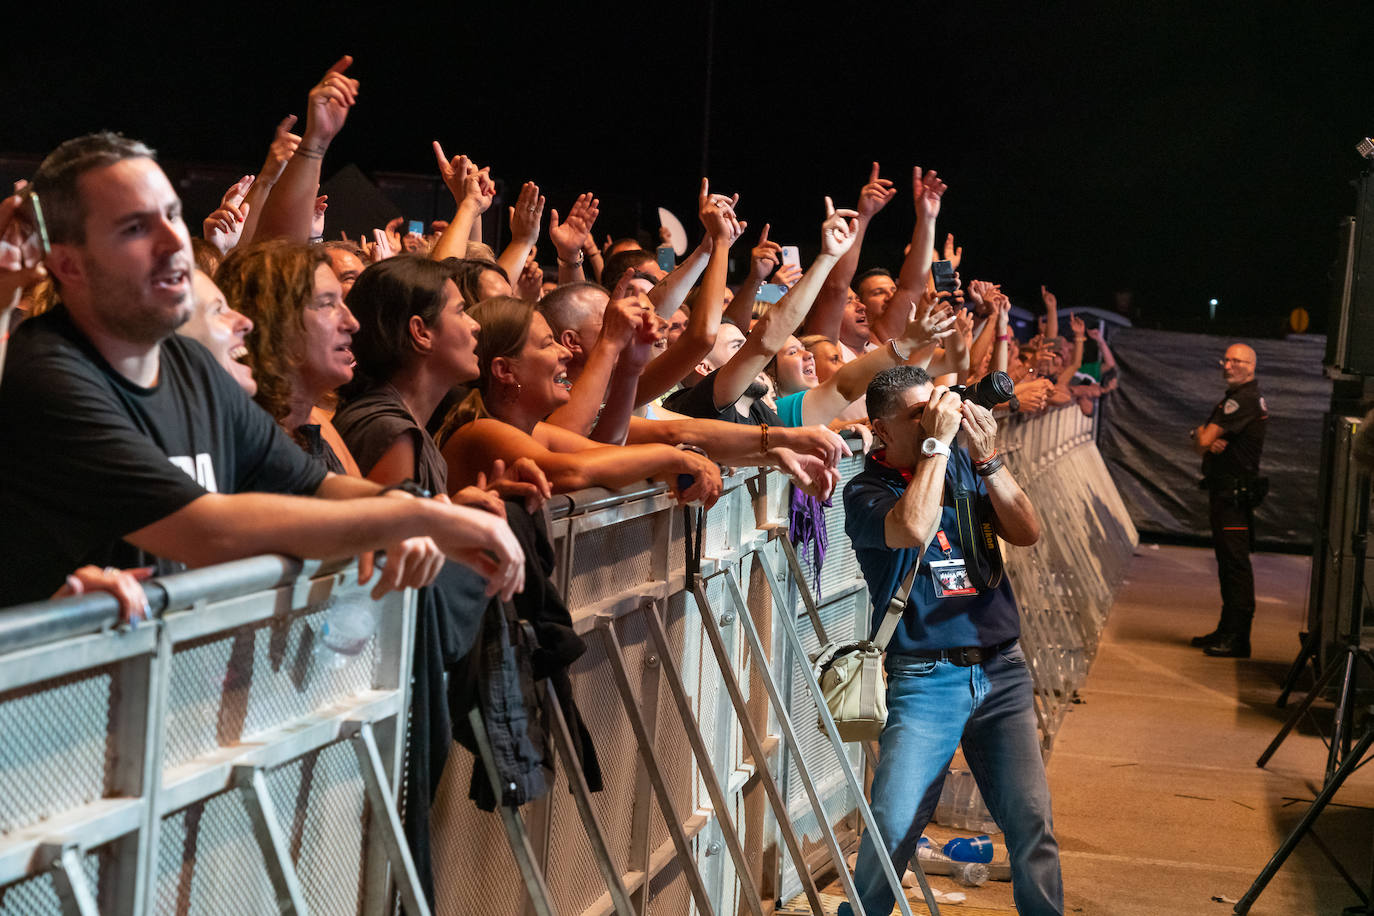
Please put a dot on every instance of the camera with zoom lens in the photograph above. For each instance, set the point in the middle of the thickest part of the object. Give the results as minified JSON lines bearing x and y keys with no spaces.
{"x":989,"y":391}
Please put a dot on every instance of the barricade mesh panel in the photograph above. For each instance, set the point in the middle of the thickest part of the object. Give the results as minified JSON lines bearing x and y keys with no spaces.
{"x":670,"y":741}
{"x":322,"y":800}
{"x":54,"y":746}
{"x":209,"y":862}
{"x":574,"y":878}
{"x":37,"y":896}
{"x":839,"y":619}
{"x":232,"y":685}
{"x":609,"y":560}
{"x":669,"y":894}
{"x":474,"y":871}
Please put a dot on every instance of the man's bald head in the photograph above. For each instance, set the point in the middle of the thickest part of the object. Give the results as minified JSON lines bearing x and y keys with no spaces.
{"x":1238,"y":366}
{"x":575,"y":311}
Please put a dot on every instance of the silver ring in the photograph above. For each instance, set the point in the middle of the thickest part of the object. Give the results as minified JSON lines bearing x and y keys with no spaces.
{"x":111,"y":571}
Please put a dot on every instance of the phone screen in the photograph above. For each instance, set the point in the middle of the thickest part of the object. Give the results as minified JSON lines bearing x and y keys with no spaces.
{"x":417,"y":227}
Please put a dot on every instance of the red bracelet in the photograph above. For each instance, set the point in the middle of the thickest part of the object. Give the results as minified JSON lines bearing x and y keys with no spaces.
{"x":989,"y":459}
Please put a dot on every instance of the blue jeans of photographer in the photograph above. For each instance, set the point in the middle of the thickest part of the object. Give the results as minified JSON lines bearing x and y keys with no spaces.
{"x":932,"y":707}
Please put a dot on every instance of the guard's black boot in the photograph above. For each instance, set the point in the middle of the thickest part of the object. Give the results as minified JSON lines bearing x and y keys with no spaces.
{"x":1230,"y":645}
{"x":1224,"y":625}
{"x":1211,"y":639}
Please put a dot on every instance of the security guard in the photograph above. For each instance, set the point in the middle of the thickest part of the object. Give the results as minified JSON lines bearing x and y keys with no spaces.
{"x":1230,"y":445}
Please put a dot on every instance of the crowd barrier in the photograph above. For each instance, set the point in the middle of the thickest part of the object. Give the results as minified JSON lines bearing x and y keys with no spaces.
{"x":217,"y":761}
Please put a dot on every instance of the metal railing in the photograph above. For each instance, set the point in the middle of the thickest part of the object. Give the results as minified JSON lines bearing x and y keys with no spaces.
{"x":217,"y":761}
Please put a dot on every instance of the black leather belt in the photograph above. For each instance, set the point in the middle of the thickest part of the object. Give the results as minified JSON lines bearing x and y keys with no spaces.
{"x":963,"y":656}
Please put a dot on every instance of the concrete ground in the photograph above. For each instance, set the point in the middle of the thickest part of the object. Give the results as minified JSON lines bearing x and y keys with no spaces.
{"x":1158,"y":804}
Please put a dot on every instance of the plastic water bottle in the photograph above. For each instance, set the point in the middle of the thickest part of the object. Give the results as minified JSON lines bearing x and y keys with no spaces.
{"x":934,"y":862}
{"x":349,"y":622}
{"x":970,"y":849}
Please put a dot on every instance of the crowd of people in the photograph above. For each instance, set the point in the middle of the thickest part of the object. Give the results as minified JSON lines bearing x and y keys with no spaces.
{"x":177,"y":401}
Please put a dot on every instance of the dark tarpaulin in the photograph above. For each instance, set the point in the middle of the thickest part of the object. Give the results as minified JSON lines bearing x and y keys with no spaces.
{"x":1169,"y":384}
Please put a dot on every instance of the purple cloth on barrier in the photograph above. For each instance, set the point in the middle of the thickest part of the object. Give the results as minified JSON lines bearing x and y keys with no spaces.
{"x":806,"y":527}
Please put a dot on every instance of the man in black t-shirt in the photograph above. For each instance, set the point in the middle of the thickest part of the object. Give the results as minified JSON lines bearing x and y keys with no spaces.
{"x":123,"y":440}
{"x":1230,"y":444}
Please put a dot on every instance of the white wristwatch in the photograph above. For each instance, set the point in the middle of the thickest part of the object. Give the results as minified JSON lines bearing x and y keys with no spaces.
{"x":933,"y":446}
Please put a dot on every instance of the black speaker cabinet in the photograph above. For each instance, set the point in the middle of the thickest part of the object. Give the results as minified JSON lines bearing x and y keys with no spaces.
{"x":1350,"y":339}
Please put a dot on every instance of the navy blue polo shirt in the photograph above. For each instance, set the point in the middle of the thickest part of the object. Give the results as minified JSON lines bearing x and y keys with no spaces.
{"x":986,"y":619}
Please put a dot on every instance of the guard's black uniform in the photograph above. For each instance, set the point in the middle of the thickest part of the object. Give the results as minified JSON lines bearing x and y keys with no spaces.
{"x":1234,"y":489}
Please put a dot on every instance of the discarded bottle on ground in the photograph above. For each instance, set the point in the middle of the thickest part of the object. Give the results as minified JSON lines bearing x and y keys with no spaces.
{"x":970,"y":849}
{"x":934,"y":862}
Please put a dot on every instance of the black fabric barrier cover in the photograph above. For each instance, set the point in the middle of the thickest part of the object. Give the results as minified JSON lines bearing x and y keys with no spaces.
{"x":1169,"y":384}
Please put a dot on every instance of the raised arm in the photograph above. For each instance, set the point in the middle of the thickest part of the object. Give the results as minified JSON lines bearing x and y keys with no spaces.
{"x":778,"y":323}
{"x":763,"y":260}
{"x":928,"y":190}
{"x":472,"y":191}
{"x":825,"y":316}
{"x":525,"y":218}
{"x":1001,"y":349}
{"x":930,"y":324}
{"x":290,"y":208}
{"x":571,"y":235}
{"x":722,"y":228}
{"x":279,"y":153}
{"x":670,"y":292}
{"x":1051,"y":312}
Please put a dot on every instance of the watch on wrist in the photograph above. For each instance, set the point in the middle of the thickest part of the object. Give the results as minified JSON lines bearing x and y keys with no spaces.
{"x":577,"y":263}
{"x":407,"y":486}
{"x":932,"y":447}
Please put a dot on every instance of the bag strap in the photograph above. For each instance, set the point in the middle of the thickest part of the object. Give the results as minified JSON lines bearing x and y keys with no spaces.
{"x":982,"y":556}
{"x":896,"y":607}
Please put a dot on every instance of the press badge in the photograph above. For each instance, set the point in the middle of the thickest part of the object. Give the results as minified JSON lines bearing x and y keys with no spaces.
{"x":950,"y":576}
{"x":951,"y":579}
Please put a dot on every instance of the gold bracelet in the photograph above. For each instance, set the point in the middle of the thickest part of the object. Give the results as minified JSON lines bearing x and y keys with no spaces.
{"x":763,"y":438}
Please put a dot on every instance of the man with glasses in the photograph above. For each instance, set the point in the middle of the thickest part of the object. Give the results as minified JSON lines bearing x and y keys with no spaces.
{"x":1230,"y":444}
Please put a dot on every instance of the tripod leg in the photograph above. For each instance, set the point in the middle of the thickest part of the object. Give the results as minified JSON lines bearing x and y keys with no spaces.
{"x":1307,"y":653}
{"x":1271,"y":868}
{"x":1345,"y":713}
{"x":1298,"y":713}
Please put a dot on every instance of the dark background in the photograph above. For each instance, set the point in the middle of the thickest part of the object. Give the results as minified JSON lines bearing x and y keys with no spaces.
{"x":1186,"y":153}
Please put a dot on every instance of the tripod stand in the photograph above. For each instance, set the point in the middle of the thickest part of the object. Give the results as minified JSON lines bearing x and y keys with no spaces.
{"x":1352,"y":652}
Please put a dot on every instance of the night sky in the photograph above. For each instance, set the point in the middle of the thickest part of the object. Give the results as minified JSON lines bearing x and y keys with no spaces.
{"x":1205,"y":150}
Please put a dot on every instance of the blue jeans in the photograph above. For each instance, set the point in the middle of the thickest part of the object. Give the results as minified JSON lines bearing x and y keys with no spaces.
{"x":932,"y":706}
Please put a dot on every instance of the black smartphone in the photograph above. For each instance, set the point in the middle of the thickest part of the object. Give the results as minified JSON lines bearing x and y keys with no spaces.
{"x":942,"y":272}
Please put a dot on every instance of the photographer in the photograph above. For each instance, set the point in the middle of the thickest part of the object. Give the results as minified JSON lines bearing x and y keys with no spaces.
{"x":955,"y":670}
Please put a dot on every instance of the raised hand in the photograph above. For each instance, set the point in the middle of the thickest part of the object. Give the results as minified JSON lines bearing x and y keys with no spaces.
{"x":281,"y":149}
{"x":527,"y":214}
{"x":839,"y":230}
{"x":717,"y":215}
{"x":454,"y":172}
{"x":764,"y":257}
{"x":1048,"y":298}
{"x":874,"y":195}
{"x":927,"y":189}
{"x":393,"y":234}
{"x":317,"y":225}
{"x":1095,"y":334}
{"x":569,"y":235}
{"x":530,"y":282}
{"x":953,"y":255}
{"x":381,"y":245}
{"x":932,"y":321}
{"x":1078,"y":326}
{"x":787,"y":275}
{"x":224,"y":226}
{"x":479,"y":188}
{"x":17,"y":253}
{"x":328,"y":106}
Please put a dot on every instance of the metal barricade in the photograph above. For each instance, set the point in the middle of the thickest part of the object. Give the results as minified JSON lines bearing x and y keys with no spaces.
{"x":214,"y":760}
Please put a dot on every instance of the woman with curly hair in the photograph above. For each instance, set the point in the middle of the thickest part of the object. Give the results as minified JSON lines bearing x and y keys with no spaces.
{"x":301,"y":350}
